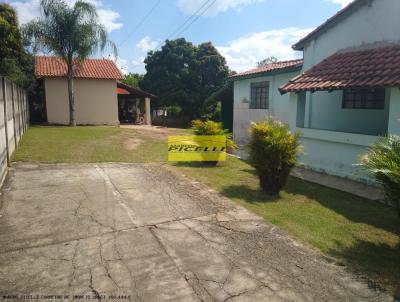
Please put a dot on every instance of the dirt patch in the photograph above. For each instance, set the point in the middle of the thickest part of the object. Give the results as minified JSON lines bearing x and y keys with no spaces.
{"x":132,"y":143}
{"x":155,"y":132}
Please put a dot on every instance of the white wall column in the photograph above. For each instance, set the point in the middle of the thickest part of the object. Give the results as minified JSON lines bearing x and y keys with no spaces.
{"x":307,"y":114}
{"x":293,"y":111}
{"x":394,"y":111}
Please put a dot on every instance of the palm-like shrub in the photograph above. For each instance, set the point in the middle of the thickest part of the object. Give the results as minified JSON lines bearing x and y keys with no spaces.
{"x":383,"y":162}
{"x":200,"y":127}
{"x":273,"y":151}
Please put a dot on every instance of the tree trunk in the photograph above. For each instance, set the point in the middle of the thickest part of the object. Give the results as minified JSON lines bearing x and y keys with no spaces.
{"x":268,"y":185}
{"x":70,"y":79}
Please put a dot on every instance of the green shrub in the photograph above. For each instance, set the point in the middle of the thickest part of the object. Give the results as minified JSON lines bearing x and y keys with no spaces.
{"x":175,"y":111}
{"x":200,"y":127}
{"x":273,"y":153}
{"x":383,"y":162}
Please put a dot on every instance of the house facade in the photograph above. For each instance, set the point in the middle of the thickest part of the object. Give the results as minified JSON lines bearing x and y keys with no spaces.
{"x":95,"y":90}
{"x":256,"y":96}
{"x":347,"y":94}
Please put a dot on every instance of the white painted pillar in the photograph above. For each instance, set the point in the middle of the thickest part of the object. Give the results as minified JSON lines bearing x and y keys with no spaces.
{"x":147,"y":112}
{"x":307,"y":114}
{"x":292,"y":111}
{"x":394,"y":111}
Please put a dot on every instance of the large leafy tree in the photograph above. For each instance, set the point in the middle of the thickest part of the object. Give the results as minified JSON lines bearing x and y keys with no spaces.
{"x":72,"y":33}
{"x":10,"y":37}
{"x":15,"y":62}
{"x":185,"y":75}
{"x":133,"y":79}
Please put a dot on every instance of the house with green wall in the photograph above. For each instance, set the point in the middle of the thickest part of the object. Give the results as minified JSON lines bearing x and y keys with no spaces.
{"x":346,"y":94}
{"x":256,"y":95}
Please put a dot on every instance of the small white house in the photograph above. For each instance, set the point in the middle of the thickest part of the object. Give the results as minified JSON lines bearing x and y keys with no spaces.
{"x":100,"y":99}
{"x":95,"y":86}
{"x":347,"y":94}
{"x":256,"y":95}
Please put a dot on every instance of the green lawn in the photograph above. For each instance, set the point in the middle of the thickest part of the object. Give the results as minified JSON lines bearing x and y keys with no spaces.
{"x":88,"y":145}
{"x":361,"y":234}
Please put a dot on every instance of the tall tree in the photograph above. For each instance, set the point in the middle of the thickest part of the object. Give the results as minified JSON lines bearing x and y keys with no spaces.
{"x":72,"y":33}
{"x":15,"y":61}
{"x":10,"y":37}
{"x":185,"y":75}
{"x":133,"y":79}
{"x":12,"y":52}
{"x":213,"y":68}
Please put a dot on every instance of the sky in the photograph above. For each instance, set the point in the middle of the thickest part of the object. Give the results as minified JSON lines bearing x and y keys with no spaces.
{"x":244,"y":31}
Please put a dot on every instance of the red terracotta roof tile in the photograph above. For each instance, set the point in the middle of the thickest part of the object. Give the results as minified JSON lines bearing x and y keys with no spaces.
{"x":367,"y":68}
{"x":278,"y":66}
{"x":122,"y":91}
{"x":89,"y":68}
{"x":134,"y":91}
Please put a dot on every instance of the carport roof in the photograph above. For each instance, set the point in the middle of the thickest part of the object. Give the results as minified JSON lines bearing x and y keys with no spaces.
{"x":124,"y":89}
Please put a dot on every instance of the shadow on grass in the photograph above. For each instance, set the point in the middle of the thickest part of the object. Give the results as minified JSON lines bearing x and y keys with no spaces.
{"x":380,"y":262}
{"x":248,"y":194}
{"x":194,"y":164}
{"x":251,"y":171}
{"x":355,"y":209}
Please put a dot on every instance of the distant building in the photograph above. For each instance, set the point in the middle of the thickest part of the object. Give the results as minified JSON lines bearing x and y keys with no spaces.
{"x":256,"y":95}
{"x":99,"y":98}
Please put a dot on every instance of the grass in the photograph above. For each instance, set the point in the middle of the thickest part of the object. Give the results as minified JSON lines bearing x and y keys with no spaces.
{"x":87,"y":145}
{"x":356,"y":232}
{"x":359,"y":233}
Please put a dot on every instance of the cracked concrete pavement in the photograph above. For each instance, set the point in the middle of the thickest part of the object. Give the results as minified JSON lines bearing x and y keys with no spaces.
{"x":150,"y":234}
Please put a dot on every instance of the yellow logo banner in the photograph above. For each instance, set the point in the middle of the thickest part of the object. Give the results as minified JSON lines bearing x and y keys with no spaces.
{"x":197,"y":148}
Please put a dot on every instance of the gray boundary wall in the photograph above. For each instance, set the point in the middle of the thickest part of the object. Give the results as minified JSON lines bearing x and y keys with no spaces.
{"x":14,"y":120}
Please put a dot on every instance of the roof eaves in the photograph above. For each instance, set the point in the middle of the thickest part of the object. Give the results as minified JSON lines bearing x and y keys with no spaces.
{"x":340,"y":15}
{"x":132,"y":89}
{"x":266,"y":73}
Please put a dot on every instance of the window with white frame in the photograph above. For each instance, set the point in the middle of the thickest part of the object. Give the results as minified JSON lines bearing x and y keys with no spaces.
{"x":373,"y":98}
{"x":259,"y":95}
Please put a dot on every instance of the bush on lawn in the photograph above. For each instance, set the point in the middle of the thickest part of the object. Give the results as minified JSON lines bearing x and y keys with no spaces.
{"x":200,"y":127}
{"x":273,"y":153}
{"x":383,"y":162}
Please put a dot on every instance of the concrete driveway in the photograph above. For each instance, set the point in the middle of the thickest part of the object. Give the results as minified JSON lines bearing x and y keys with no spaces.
{"x":144,"y":233}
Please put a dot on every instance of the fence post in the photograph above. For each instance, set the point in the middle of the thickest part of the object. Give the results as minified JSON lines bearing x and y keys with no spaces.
{"x":28,"y":110}
{"x":19,"y":113}
{"x":13,"y":113}
{"x":24,"y":103}
{"x":4,"y":83}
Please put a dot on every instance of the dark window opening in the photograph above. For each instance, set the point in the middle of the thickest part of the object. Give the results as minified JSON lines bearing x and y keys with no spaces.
{"x":364,"y":98}
{"x":259,"y":95}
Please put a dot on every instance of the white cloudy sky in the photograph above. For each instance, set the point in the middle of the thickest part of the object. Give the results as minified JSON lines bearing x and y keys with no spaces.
{"x":244,"y":31}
